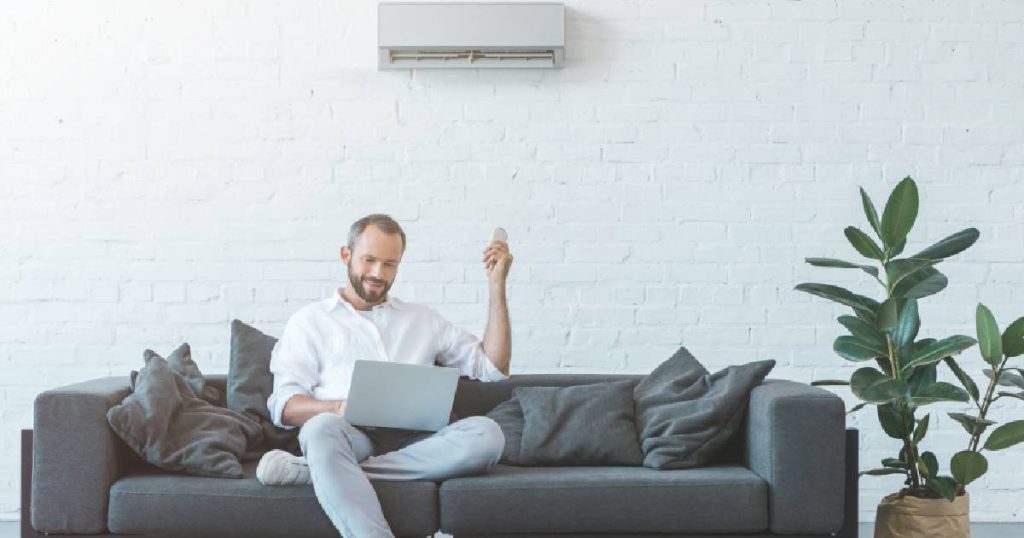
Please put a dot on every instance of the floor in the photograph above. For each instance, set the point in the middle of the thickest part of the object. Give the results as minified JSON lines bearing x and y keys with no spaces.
{"x":978,"y":530}
{"x":9,"y":529}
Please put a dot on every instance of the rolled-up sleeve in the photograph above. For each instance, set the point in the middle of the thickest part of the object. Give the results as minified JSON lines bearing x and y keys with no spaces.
{"x":293,"y":363}
{"x":460,"y":349}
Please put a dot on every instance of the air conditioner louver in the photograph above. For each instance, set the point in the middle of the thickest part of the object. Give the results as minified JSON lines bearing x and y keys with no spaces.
{"x":471,"y":35}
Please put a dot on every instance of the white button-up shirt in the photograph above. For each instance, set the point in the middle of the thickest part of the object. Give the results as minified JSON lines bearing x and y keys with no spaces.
{"x":323,"y":340}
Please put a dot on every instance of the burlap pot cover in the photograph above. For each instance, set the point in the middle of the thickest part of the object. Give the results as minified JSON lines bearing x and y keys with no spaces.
{"x":912,"y":517}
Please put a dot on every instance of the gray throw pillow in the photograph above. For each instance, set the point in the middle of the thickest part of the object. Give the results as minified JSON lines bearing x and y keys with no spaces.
{"x":579,"y":425}
{"x":250,"y":384}
{"x":180,"y":360}
{"x":509,"y":416}
{"x":171,"y":427}
{"x":687,"y":417}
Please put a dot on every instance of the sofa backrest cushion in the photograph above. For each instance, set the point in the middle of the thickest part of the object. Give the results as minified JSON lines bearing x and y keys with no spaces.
{"x":581,"y":425}
{"x":509,"y":416}
{"x":249,"y":384}
{"x":497,"y":401}
{"x":687,"y":416}
{"x":479,"y":398}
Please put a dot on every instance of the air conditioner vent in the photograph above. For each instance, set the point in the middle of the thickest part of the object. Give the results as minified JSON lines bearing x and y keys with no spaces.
{"x":471,"y":35}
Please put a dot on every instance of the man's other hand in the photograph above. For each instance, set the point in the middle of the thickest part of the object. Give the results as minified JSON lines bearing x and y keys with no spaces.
{"x":300,"y":408}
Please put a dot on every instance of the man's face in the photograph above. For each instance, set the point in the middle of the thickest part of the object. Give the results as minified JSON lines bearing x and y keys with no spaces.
{"x":373,"y":263}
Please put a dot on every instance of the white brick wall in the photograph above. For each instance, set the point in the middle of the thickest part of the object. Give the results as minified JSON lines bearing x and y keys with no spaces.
{"x":166,"y":167}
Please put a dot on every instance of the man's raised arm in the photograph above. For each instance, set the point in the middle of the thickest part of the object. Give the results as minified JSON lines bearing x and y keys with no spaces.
{"x":497,"y":341}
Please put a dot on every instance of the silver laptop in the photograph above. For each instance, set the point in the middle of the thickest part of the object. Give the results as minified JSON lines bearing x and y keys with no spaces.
{"x":408,"y":396}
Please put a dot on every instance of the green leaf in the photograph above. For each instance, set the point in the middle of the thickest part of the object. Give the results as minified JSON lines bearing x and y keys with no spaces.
{"x":1011,"y":379}
{"x":914,"y":347}
{"x":939,"y":392}
{"x":1006,"y":435}
{"x":989,"y":340}
{"x":922,"y":429}
{"x":928,"y":465}
{"x":862,"y":330}
{"x":894,"y":462}
{"x":897,"y":249}
{"x":950,"y":246}
{"x":869,"y":212}
{"x":1007,"y":378}
{"x":892,"y":421}
{"x":900,"y":212}
{"x":863,"y":244}
{"x":927,"y":281}
{"x":832,"y":262}
{"x":943,"y":486}
{"x":939,"y":350}
{"x":829,"y":383}
{"x":888,"y":315}
{"x":883,"y":471}
{"x":897,"y":271}
{"x":872,"y":386}
{"x":1017,"y":395}
{"x":841,"y":296}
{"x":857,"y":407}
{"x":853,"y":349}
{"x":971,"y":423}
{"x":866,"y":315}
{"x":923,"y":343}
{"x":968,"y":466}
{"x":907,"y":325}
{"x":965,"y":379}
{"x":923,"y":376}
{"x":1013,"y":339}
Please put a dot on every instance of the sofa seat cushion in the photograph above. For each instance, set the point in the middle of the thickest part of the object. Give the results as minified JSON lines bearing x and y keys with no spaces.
{"x":182,"y":505}
{"x":718,"y":499}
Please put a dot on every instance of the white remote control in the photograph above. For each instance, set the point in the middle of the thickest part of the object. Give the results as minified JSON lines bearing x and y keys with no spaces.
{"x":499,"y":234}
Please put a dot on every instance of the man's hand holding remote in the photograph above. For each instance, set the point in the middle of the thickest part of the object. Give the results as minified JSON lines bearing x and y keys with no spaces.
{"x":497,"y":258}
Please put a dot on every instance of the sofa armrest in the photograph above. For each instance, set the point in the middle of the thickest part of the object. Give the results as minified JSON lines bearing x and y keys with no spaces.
{"x":796,"y":441}
{"x":75,"y":456}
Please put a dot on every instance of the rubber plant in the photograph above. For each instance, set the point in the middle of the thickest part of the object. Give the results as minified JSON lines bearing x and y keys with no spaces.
{"x":996,"y":349}
{"x":899,"y":376}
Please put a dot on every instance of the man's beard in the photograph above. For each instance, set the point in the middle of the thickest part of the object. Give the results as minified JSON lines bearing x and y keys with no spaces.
{"x":369,"y":296}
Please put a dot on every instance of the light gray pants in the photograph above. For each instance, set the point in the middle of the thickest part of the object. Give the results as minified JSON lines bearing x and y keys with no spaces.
{"x":342,"y":463}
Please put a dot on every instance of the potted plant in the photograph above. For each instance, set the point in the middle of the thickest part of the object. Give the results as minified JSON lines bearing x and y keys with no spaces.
{"x":996,"y":349}
{"x":899,"y":376}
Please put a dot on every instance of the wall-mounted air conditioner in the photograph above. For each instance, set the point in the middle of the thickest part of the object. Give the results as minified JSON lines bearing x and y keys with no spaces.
{"x":452,"y":34}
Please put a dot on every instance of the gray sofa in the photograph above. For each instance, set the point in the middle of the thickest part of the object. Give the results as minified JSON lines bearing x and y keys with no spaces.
{"x":793,"y":472}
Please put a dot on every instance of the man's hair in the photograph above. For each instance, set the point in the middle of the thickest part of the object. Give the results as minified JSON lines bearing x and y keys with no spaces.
{"x":386,"y":224}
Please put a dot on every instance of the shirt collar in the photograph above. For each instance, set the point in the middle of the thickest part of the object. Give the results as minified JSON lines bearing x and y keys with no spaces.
{"x":337,"y":301}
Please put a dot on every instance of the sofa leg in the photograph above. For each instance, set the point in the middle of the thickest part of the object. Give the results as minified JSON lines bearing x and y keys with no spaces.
{"x":26,"y":485}
{"x":851,"y":506}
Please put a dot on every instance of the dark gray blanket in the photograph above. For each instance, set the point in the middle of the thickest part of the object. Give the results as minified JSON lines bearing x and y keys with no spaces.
{"x":686,"y":416}
{"x":170,"y":422}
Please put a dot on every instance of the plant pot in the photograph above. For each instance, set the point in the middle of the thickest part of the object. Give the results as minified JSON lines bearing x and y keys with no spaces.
{"x":913,"y":517}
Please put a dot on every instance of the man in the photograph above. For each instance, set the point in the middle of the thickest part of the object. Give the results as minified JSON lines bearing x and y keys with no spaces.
{"x":312,"y":366}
